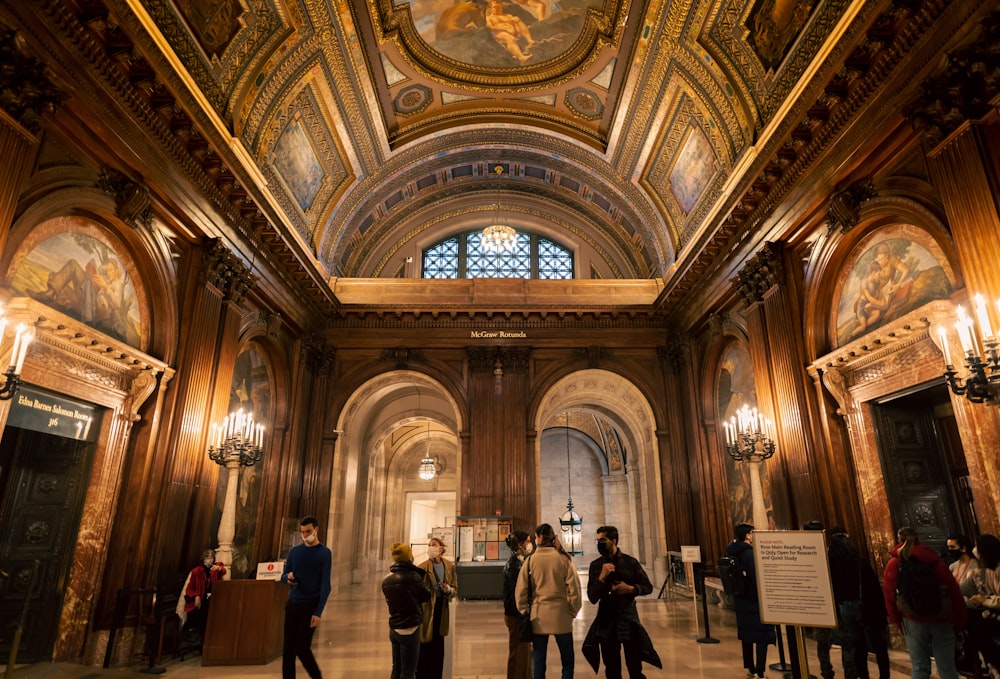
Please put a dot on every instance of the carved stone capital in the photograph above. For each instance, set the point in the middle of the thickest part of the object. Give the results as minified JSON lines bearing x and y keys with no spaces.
{"x":401,"y":356}
{"x":964,"y":89}
{"x":27,"y":93}
{"x":223,"y":270}
{"x":844,"y":210}
{"x":675,"y":355}
{"x":317,"y":356}
{"x":764,"y":271}
{"x":132,"y":204}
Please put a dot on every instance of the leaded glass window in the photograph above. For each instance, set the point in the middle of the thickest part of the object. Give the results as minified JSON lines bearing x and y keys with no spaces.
{"x":532,"y":257}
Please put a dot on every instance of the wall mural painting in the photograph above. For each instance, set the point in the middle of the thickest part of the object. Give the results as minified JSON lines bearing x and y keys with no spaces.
{"x":891,"y":277}
{"x":296,"y":161}
{"x":83,"y":277}
{"x":500,"y":33}
{"x":251,"y":391}
{"x":773,"y":27}
{"x":736,"y":389}
{"x":693,"y":170}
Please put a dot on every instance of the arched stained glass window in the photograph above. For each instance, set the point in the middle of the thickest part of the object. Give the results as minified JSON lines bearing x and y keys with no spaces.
{"x":462,"y":256}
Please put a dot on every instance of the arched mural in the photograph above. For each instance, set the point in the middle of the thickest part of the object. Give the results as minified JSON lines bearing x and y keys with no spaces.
{"x":250,"y":391}
{"x":736,"y":389}
{"x":80,"y":273}
{"x":893,"y":274}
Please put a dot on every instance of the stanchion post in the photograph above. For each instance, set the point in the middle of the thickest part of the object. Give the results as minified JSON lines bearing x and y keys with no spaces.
{"x":781,"y":665}
{"x":707,"y":639}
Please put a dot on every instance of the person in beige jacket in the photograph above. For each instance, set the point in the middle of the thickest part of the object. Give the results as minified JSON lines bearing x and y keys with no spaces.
{"x":548,"y":587}
{"x":442,"y":580}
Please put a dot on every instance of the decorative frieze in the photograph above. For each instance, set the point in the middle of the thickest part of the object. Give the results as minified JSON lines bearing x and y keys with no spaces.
{"x":27,"y":92}
{"x":507,"y":359}
{"x":764,"y":271}
{"x":965,"y":88}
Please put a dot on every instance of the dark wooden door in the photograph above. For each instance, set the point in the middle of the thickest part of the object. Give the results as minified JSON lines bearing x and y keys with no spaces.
{"x":917,"y":478}
{"x":44,"y":484}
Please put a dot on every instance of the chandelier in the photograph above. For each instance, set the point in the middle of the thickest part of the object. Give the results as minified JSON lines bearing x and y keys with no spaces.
{"x":237,"y":440}
{"x":427,"y":469}
{"x":498,"y":238}
{"x":749,"y":436}
{"x":978,"y":386}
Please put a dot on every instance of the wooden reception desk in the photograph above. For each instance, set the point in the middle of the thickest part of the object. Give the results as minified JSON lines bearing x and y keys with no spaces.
{"x":245,"y":622}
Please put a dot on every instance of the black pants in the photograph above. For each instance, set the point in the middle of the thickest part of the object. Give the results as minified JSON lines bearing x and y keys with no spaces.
{"x":298,"y":639}
{"x":759,"y":665}
{"x":430,"y":664}
{"x":611,"y":653}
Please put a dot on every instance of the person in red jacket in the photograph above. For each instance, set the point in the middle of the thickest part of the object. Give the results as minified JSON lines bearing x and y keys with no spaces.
{"x":926,"y":634}
{"x":197,"y":591}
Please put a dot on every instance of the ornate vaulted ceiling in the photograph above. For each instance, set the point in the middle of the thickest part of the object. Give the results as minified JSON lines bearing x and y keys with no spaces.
{"x":649,"y":136}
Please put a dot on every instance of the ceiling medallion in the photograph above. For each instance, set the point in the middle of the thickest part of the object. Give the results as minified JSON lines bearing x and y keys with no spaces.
{"x":498,"y":238}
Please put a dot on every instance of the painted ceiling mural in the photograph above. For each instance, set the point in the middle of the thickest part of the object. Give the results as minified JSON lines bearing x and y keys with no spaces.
{"x":621,"y":119}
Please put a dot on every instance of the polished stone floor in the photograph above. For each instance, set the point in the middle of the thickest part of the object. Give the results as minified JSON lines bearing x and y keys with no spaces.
{"x":352,"y":641}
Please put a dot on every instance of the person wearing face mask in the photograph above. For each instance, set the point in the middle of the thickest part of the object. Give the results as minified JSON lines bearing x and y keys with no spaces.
{"x":984,"y":602}
{"x":615,"y":580}
{"x":753,"y":634}
{"x":307,"y":570}
{"x":442,"y":580}
{"x":197,"y":591}
{"x":963,"y":564}
{"x":518,"y":652}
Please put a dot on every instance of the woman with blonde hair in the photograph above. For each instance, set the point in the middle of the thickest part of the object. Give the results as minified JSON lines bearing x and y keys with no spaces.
{"x":548,"y":587}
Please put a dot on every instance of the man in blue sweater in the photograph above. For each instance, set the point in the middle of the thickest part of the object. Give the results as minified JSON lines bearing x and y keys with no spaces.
{"x":307,"y":570}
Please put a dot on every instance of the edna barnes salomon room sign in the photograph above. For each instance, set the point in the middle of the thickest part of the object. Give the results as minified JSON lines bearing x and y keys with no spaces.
{"x":497,"y":334}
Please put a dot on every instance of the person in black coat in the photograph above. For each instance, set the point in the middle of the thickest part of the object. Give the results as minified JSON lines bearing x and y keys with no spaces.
{"x":405,"y":592}
{"x":519,"y":653}
{"x":752,"y":633}
{"x":861,"y":615}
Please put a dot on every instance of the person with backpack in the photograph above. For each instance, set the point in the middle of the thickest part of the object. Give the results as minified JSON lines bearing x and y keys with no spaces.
{"x":923,"y":599}
{"x":752,"y":633}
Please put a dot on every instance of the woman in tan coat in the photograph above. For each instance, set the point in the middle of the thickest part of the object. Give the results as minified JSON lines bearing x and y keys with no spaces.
{"x":443,"y":583}
{"x":549,"y":587}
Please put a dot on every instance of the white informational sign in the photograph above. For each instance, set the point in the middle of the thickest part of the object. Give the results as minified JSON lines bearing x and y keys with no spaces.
{"x":793,"y":578}
{"x":465,"y":542}
{"x":691,"y":553}
{"x":270,"y":570}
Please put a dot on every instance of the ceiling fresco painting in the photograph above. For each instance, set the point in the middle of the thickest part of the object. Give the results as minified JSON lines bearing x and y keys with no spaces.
{"x":645,"y":135}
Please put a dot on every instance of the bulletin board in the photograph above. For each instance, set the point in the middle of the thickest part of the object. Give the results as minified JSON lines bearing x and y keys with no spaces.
{"x":482,"y":539}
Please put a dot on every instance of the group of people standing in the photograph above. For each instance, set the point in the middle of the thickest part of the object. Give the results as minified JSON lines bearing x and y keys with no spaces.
{"x":945,"y":613}
{"x":540,"y":583}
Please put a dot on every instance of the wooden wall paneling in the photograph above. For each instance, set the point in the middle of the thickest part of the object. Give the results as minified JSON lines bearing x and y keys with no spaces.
{"x":184,"y":445}
{"x":17,"y":148}
{"x":965,"y":175}
{"x":674,"y":447}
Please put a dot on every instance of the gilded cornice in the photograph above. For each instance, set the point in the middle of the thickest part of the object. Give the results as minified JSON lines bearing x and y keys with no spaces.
{"x":459,"y":317}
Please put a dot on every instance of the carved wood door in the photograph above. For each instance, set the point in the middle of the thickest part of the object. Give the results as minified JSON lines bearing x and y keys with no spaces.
{"x":917,"y":479}
{"x":44,"y":483}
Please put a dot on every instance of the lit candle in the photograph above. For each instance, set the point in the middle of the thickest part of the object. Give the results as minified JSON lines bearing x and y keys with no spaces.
{"x":213,"y":434}
{"x":260,"y":435}
{"x":965,"y":332}
{"x":983,"y":318}
{"x":943,"y":336}
{"x":25,"y":341}
{"x":17,"y":344}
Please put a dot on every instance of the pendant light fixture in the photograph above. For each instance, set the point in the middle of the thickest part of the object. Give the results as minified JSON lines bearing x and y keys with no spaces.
{"x":498,"y":238}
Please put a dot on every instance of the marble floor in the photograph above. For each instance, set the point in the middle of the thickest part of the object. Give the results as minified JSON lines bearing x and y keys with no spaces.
{"x":352,"y":641}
